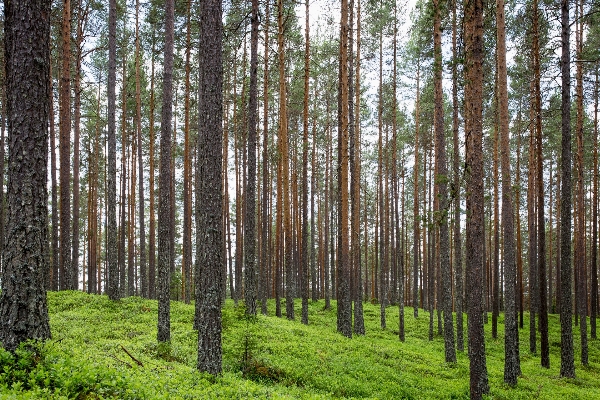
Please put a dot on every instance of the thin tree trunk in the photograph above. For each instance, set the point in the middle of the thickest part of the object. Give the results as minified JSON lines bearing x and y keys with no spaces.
{"x":442,"y":190}
{"x":66,"y":276}
{"x":594,"y":266}
{"x":251,"y":285}
{"x":54,"y":273}
{"x":111,"y":179}
{"x":579,"y":249}
{"x":458,"y":270}
{"x":165,"y":252}
{"x":265,"y":168}
{"x":512,"y":363}
{"x":143,"y":269}
{"x":416,"y":219}
{"x":304,"y":255}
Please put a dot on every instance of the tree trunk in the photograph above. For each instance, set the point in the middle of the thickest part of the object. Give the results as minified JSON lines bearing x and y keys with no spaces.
{"x":512,"y":363}
{"x":23,"y":308}
{"x":111,"y":179}
{"x":251,"y":285}
{"x":458,"y":270}
{"x":143,"y":269}
{"x":265,"y":171}
{"x":54,"y":272}
{"x":416,"y":218}
{"x":209,"y":192}
{"x":344,"y":301}
{"x":594,"y":266}
{"x":165,"y":252}
{"x":541,"y":224}
{"x":579,"y":248}
{"x":567,"y":364}
{"x":354,"y":89}
{"x":474,"y":164}
{"x":304,"y":251}
{"x":66,"y":276}
{"x":441,"y":180}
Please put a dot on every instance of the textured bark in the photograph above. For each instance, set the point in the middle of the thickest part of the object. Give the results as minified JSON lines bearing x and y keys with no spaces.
{"x":354,"y":90}
{"x":151,"y":165}
{"x":66,"y":275}
{"x":531,"y":228}
{"x":496,"y":220}
{"x":23,"y":309}
{"x":579,"y":259}
{"x":567,"y":363}
{"x":265,"y":253}
{"x":209,"y":191}
{"x":441,"y":180}
{"x":125,"y":154}
{"x":187,"y":173}
{"x":165,"y":252}
{"x":54,"y":276}
{"x":111,"y":179}
{"x":458,"y":268}
{"x":141,"y":200}
{"x":304,"y":251}
{"x":344,"y":301}
{"x":474,"y":164}
{"x":250,"y":283}
{"x":284,"y":167}
{"x":541,"y":224}
{"x":512,"y":363}
{"x":416,"y":222}
{"x":381,"y":294}
{"x":594,"y":266}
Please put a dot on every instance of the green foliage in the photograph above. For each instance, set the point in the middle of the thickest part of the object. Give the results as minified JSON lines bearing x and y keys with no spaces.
{"x":263,"y":357}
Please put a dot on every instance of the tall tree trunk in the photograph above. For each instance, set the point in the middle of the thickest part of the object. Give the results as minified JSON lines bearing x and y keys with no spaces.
{"x":381,"y":294}
{"x":354,"y":90}
{"x":151,"y":164}
{"x":23,"y":308}
{"x":458,"y":270}
{"x":531,"y":226}
{"x":265,"y":253}
{"x":541,"y":224}
{"x":304,"y":252}
{"x":54,"y":272}
{"x":441,"y":180}
{"x":187,"y":170}
{"x":111,"y":178}
{"x":567,"y":364}
{"x":474,"y":164}
{"x":512,"y":363}
{"x":66,"y":276}
{"x":251,"y":285}
{"x":143,"y":269}
{"x":579,"y":249}
{"x":165,"y":252}
{"x":209,"y":192}
{"x":344,"y":301}
{"x":283,"y":141}
{"x":416,"y":219}
{"x":594,"y":266}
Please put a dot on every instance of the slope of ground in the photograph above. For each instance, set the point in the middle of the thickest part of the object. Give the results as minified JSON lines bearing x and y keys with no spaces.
{"x":104,"y":349}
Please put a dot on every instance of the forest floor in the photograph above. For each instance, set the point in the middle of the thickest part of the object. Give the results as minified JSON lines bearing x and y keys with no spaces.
{"x":104,"y":349}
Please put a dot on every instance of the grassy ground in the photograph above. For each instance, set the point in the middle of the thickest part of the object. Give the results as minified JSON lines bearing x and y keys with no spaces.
{"x":266,"y":358}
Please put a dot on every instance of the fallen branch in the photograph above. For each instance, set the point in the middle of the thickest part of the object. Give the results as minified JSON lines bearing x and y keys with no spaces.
{"x":121,"y":361}
{"x":138,"y":362}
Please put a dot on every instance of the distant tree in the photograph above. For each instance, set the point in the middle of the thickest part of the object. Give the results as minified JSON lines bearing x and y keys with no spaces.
{"x":209,"y":264}
{"x":23,"y":308}
{"x":304,"y":251}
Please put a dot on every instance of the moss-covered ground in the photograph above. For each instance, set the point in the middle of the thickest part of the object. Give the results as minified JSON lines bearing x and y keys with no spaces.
{"x":269,"y":357}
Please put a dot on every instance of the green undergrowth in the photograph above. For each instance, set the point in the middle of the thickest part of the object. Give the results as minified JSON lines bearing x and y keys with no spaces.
{"x":104,"y":349}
